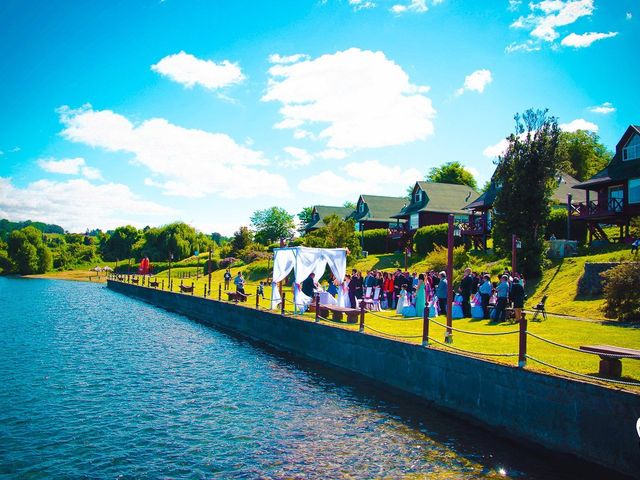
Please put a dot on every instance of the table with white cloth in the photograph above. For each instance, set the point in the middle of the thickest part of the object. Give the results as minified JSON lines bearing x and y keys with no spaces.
{"x":327,"y":299}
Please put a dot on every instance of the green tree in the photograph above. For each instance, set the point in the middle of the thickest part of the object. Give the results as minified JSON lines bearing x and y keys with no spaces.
{"x":272,"y":224}
{"x":27,"y":251}
{"x":452,"y":172}
{"x":241,"y":239}
{"x":584,"y":153}
{"x":337,"y":233}
{"x":526,"y":175}
{"x":349,"y":204}
{"x":119,"y":246}
{"x":305,"y":217}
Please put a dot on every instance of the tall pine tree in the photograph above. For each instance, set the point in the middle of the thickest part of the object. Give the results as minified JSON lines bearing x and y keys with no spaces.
{"x":527,"y":175}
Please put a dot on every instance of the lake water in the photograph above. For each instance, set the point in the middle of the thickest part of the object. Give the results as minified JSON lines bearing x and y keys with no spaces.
{"x":94,"y":384}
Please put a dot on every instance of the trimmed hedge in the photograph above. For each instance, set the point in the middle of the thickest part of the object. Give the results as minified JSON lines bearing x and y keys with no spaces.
{"x":376,"y":241}
{"x":426,"y":238}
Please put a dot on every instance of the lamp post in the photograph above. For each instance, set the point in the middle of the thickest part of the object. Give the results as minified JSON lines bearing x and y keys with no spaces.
{"x":453,"y":231}
{"x":197,"y":254}
{"x":170,"y":259}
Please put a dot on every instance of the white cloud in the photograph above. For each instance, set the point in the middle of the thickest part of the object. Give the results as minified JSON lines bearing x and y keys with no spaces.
{"x":494,"y":151}
{"x":527,"y":46}
{"x":473,"y":171}
{"x":365,"y":98}
{"x":276,"y":58}
{"x":417,"y":6}
{"x":546,"y":17}
{"x":332,"y":154}
{"x":299,"y":157}
{"x":361,"y":4}
{"x":189,"y":71}
{"x":605,"y":108}
{"x":498,"y":149}
{"x":628,"y":16}
{"x":66,"y":166}
{"x":514,"y":5}
{"x":586,"y":39}
{"x":69,"y":166}
{"x":579,"y":124}
{"x":476,"y":81}
{"x":184,"y":162}
{"x":78,"y":204}
{"x":370,"y":176}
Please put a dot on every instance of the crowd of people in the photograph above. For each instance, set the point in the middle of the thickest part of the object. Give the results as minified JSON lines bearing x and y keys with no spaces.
{"x":410,"y":293}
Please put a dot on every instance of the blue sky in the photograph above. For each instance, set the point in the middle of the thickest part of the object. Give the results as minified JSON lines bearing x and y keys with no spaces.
{"x":153,"y":111}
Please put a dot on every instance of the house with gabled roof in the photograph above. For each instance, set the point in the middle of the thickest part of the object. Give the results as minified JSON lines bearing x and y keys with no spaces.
{"x":478,"y":229}
{"x":320,"y":212}
{"x":612,"y":196}
{"x":376,"y":211}
{"x":431,"y":203}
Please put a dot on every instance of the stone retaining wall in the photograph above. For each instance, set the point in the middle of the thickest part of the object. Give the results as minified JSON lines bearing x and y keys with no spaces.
{"x":567,"y":416}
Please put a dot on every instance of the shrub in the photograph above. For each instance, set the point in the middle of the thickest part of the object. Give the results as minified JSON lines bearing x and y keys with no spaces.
{"x":250,"y":255}
{"x":375,"y":241}
{"x":557,"y":226}
{"x":215,"y":265}
{"x":437,"y":258}
{"x":621,"y":293}
{"x":426,"y":238}
{"x":230,"y":262}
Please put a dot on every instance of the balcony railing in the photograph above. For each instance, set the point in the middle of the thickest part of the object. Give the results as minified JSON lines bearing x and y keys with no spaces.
{"x":592,"y":208}
{"x":476,"y":226}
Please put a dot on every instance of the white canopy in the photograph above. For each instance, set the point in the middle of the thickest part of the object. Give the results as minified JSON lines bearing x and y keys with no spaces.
{"x":304,"y":261}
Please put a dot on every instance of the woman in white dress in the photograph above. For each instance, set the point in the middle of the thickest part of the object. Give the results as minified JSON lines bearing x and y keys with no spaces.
{"x":403,"y":300}
{"x":343,"y":293}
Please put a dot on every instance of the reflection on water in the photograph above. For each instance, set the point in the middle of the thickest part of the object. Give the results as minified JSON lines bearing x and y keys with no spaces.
{"x":96,"y":384}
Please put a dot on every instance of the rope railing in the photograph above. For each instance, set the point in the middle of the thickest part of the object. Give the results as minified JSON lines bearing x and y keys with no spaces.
{"x":393,"y":335}
{"x":583,"y":375}
{"x":469,"y":332}
{"x":568,"y":347}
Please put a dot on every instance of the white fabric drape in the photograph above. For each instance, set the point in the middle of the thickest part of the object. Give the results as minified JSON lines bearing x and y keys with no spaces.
{"x":304,"y":261}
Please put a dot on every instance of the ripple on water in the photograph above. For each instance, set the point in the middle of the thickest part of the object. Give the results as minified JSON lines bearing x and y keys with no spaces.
{"x":98,"y":385}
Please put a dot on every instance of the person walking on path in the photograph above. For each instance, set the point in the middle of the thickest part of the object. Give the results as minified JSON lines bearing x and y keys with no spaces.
{"x":502,"y":291}
{"x":227,"y":279}
{"x":441,"y":293}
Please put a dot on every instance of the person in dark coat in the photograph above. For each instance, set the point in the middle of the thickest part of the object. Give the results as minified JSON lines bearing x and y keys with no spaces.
{"x":517,"y":297}
{"x":309,"y":285}
{"x":355,"y":287}
{"x":466,"y":285}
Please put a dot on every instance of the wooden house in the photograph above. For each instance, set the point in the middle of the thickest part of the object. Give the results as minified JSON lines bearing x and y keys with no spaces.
{"x":612,"y":196}
{"x":320,"y":212}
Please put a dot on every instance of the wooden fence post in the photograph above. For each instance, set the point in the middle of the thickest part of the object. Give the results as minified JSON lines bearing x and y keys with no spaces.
{"x":317,"y":297}
{"x":162,"y":284}
{"x":219,"y":291}
{"x":282,"y":303}
{"x":257,"y":298}
{"x":425,"y":327}
{"x":522,"y":350}
{"x":361,"y":330}
{"x":193,"y":288}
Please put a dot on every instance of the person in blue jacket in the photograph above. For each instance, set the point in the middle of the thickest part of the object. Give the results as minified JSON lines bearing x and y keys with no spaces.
{"x":441,"y":292}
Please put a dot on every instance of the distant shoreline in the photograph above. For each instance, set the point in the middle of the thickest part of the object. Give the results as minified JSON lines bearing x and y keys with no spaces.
{"x":72,"y":275}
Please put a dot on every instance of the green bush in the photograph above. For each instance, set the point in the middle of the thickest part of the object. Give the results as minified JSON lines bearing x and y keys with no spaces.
{"x":376,"y":241}
{"x":621,"y":293}
{"x":557,"y":226}
{"x":230,"y":262}
{"x":426,"y":238}
{"x":437,"y":258}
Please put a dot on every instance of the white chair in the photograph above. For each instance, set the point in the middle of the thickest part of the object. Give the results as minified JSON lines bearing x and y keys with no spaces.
{"x":368,"y":301}
{"x":376,"y":300}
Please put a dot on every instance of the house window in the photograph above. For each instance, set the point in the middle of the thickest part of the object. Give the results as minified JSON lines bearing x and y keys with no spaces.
{"x":631,"y":151}
{"x":634,"y":190}
{"x":414,"y":221}
{"x":361,"y":207}
{"x":616,"y":195}
{"x":417,"y":198}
